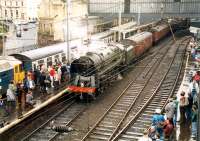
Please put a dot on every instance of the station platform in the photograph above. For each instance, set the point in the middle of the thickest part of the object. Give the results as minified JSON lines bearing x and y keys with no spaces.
{"x":18,"y":114}
{"x":184,"y":130}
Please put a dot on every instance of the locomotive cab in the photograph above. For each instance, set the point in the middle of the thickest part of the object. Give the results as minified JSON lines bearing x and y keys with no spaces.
{"x":10,"y":69}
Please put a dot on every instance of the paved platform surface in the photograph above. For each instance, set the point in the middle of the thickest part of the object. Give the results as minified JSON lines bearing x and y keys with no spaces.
{"x":16,"y":112}
{"x":183,"y":131}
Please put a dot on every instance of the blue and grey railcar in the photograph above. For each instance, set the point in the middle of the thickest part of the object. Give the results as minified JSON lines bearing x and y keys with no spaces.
{"x":10,"y":70}
{"x":45,"y":56}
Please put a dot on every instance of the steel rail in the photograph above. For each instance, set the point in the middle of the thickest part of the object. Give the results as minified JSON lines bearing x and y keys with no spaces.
{"x":44,"y":124}
{"x":74,"y":135}
{"x":122,"y":94}
{"x":150,"y":99}
{"x":35,"y":131}
{"x":67,"y":124}
{"x":176,"y":81}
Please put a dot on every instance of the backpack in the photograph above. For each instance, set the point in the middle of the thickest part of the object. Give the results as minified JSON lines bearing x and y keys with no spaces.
{"x":194,"y":91}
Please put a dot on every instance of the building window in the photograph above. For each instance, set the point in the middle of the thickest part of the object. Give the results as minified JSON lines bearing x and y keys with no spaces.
{"x":22,"y":15}
{"x":16,"y":3}
{"x":51,"y":29}
{"x":6,"y":14}
{"x":11,"y":13}
{"x":22,"y":3}
{"x":17,"y":13}
{"x":44,"y":28}
{"x":10,"y":3}
{"x":5,"y":3}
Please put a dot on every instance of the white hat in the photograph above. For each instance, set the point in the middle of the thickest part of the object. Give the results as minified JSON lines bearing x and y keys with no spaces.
{"x":157,"y":111}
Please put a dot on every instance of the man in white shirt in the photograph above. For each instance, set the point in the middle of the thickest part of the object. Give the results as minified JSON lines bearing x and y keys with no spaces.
{"x":10,"y":100}
{"x":193,"y":88}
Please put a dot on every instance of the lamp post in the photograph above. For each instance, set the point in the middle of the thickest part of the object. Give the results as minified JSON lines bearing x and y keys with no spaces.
{"x":139,"y":15}
{"x":120,"y":18}
{"x":68,"y":48}
{"x":3,"y":41}
{"x":162,"y":10}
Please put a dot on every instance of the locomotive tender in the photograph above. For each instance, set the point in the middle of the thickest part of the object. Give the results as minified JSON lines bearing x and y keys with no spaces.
{"x":93,"y":71}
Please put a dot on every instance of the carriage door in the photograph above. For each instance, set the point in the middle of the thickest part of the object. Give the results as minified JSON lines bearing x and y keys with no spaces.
{"x":21,"y":73}
{"x":16,"y":74}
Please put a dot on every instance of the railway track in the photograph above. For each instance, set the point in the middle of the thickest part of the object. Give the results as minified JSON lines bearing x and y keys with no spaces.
{"x":63,"y":117}
{"x":142,"y":119}
{"x":146,"y":67}
{"x":68,"y":114}
{"x":141,"y":88}
{"x":44,"y":132}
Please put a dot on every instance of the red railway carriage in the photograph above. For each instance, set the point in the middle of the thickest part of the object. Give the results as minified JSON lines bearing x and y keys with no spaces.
{"x":159,"y":32}
{"x":141,"y":42}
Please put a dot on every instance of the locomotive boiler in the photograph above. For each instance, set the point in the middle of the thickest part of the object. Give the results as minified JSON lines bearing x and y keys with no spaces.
{"x":97,"y":68}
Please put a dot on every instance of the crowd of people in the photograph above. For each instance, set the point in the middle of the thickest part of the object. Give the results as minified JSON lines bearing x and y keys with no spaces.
{"x":51,"y":77}
{"x":162,"y":127}
{"x":20,"y":96}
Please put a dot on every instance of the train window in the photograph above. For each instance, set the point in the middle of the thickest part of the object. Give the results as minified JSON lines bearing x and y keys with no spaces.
{"x":49,"y":61}
{"x":41,"y":62}
{"x":132,"y":33}
{"x":122,"y":36}
{"x":3,"y":75}
{"x":16,"y":69}
{"x":109,"y":39}
{"x":20,"y":68}
{"x":57,"y":56}
{"x":18,"y":31}
{"x":56,"y":59}
{"x":63,"y":58}
{"x":34,"y":66}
